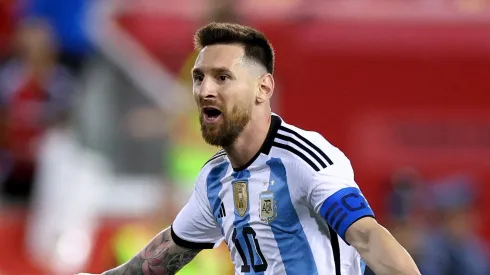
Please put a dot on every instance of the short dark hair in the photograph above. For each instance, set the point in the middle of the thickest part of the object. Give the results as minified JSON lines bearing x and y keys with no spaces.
{"x":256,"y":45}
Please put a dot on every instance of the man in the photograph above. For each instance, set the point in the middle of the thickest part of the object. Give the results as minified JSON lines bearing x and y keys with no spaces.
{"x":68,"y":19}
{"x":36,"y":94}
{"x":283,"y":199}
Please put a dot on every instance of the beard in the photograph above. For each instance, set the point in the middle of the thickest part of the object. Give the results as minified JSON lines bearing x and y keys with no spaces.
{"x":227,"y":131}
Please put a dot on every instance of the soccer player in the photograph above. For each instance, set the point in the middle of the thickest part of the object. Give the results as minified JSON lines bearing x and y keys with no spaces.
{"x":283,"y":199}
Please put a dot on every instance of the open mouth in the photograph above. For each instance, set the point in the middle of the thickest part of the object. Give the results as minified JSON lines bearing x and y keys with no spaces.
{"x":211,"y":114}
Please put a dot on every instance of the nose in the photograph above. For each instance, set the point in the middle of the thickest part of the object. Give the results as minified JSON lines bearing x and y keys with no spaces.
{"x":207,"y":89}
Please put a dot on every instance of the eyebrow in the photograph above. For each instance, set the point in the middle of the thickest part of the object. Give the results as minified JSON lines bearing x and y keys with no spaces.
{"x":215,"y":70}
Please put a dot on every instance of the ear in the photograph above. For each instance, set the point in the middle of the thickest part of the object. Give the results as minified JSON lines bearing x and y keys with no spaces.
{"x":266,"y":88}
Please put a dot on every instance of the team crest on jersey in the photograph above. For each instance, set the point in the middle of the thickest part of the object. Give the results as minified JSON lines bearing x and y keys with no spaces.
{"x":240,"y":197}
{"x":268,"y":208}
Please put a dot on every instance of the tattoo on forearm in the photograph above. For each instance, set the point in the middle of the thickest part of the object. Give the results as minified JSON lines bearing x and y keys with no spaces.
{"x":159,"y":257}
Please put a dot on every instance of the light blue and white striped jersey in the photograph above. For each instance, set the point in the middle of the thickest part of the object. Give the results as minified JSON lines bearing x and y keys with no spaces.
{"x":285,"y":212}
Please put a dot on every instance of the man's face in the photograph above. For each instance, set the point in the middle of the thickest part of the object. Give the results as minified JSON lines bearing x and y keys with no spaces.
{"x":36,"y":44}
{"x":224,"y":87}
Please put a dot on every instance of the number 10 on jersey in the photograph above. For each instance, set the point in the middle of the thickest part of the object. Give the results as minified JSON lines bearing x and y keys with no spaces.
{"x":252,"y":248}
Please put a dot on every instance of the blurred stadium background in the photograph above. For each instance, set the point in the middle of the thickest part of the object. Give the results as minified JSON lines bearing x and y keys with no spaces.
{"x":99,"y":141}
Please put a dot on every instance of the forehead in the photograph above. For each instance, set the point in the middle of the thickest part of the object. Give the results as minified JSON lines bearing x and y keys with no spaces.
{"x":221,"y":56}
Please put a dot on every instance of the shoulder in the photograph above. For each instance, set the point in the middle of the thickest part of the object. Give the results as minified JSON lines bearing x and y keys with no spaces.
{"x":217,"y":164}
{"x":307,"y":149}
{"x":217,"y":158}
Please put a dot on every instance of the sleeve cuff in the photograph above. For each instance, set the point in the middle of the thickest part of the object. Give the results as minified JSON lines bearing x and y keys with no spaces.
{"x":187,"y":244}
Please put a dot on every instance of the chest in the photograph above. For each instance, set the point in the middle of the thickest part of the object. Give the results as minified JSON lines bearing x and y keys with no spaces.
{"x":258,"y":202}
{"x":260,"y":213}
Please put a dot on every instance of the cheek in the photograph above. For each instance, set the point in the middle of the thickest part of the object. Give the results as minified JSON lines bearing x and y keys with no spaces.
{"x":251,"y":98}
{"x":195,"y":95}
{"x":247,"y":99}
{"x":250,"y":94}
{"x":238,"y":95}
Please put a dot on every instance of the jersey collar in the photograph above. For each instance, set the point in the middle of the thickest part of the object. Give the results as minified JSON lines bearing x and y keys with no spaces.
{"x":267,"y":145}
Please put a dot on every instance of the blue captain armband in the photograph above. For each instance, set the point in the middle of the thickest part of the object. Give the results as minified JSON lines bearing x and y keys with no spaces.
{"x":344,"y":208}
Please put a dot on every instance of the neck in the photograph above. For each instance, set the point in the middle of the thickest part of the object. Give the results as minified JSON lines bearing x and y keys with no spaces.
{"x":248,"y":144}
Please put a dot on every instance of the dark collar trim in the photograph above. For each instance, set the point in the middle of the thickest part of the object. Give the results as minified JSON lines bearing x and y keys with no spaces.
{"x":267,"y":145}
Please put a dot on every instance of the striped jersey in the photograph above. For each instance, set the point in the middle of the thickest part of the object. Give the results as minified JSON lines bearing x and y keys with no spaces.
{"x":285,"y":212}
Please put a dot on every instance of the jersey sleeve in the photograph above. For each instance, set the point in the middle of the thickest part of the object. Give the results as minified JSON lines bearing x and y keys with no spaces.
{"x":334,"y":194}
{"x":195,"y":227}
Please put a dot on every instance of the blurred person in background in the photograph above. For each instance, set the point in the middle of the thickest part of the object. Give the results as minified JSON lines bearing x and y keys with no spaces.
{"x":452,"y":245}
{"x":405,"y":210}
{"x":67,"y":19}
{"x":35,"y":92}
{"x":437,"y":224}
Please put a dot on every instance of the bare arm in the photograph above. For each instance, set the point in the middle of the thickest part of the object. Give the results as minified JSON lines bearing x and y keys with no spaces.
{"x":160,"y":257}
{"x":379,"y":249}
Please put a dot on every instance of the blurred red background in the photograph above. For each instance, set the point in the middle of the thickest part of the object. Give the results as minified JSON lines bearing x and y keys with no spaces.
{"x":382,"y":91}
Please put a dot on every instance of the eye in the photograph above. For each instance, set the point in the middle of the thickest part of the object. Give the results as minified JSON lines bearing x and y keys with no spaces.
{"x":223,"y":78}
{"x":198,"y":78}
